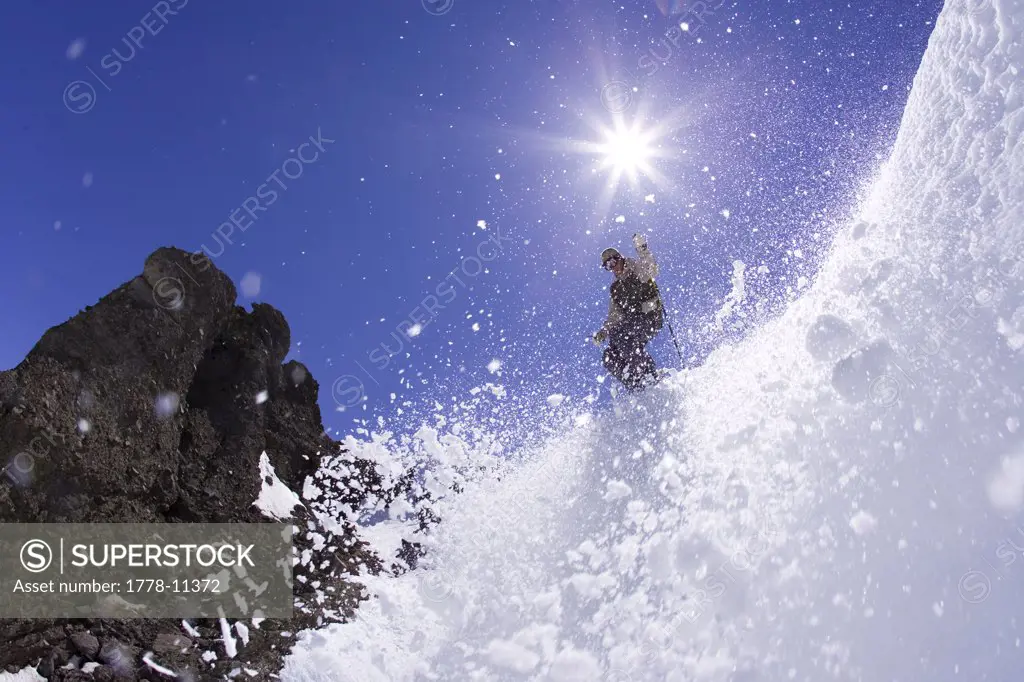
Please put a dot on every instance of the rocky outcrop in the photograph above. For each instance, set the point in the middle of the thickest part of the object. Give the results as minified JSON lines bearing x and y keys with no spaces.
{"x":155,"y":405}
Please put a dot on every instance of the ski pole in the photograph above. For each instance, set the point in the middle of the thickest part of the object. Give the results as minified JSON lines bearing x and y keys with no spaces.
{"x":670,"y":330}
{"x":673,"y":333}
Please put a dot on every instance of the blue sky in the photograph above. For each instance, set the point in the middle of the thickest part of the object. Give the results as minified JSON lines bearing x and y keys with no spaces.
{"x":779,"y":112}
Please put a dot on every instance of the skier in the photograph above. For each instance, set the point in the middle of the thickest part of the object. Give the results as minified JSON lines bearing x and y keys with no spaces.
{"x":635,"y":316}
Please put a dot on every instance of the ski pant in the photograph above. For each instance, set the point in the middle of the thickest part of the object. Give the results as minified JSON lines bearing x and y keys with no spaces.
{"x":626,"y":357}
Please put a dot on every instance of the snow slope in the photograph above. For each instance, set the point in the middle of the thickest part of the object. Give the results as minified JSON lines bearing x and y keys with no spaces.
{"x":836,"y":497}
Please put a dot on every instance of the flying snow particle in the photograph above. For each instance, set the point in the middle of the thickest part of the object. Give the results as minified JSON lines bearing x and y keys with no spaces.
{"x":147,"y":658}
{"x":87,"y":180}
{"x":250,"y":284}
{"x":863,"y":522}
{"x":482,"y":224}
{"x":555,"y":399}
{"x":476,"y":326}
{"x":56,"y":225}
{"x":735,"y":297}
{"x":262,"y":397}
{"x":120,"y":658}
{"x":572,"y":665}
{"x":76,"y":48}
{"x":1013,"y":329}
{"x":512,"y":656}
{"x":620,"y":219}
{"x":83,"y":425}
{"x":298,"y":374}
{"x":414,"y":330}
{"x":251,"y":78}
{"x":497,"y":176}
{"x":649,"y":198}
{"x":230,"y":647}
{"x":493,"y":366}
{"x":1006,"y":488}
{"x":726,"y":213}
{"x":166,"y":404}
{"x":617,"y":490}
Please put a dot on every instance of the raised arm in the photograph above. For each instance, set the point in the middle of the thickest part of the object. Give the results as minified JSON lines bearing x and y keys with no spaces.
{"x":646,"y":266}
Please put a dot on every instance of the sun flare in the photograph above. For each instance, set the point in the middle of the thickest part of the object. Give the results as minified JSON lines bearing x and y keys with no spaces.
{"x":627,"y":151}
{"x":629,"y":155}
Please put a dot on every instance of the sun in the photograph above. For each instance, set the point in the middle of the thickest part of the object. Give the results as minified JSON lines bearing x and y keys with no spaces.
{"x":627,"y":152}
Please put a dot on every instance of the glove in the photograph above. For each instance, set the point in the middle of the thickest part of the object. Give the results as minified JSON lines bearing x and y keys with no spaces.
{"x":639,"y":241}
{"x":600,"y":336}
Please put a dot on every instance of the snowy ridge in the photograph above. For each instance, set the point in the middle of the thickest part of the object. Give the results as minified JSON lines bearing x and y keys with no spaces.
{"x":827,"y":499}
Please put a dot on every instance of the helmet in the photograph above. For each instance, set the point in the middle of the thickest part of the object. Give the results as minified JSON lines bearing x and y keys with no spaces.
{"x":609,"y":253}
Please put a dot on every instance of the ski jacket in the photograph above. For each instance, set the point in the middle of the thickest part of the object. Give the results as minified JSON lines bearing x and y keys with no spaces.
{"x":634,"y":292}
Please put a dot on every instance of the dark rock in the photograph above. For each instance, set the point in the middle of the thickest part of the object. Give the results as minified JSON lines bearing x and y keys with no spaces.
{"x":170,"y":643}
{"x":71,"y":675}
{"x":118,"y":655}
{"x":86,"y":644}
{"x":104,"y":674}
{"x":110,"y":366}
{"x":166,"y":371}
{"x":47,"y":665}
{"x":100,"y":673}
{"x":410,"y":553}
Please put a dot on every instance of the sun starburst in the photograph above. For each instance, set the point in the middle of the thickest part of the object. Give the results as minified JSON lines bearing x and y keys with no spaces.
{"x":628,"y":156}
{"x":627,"y":152}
